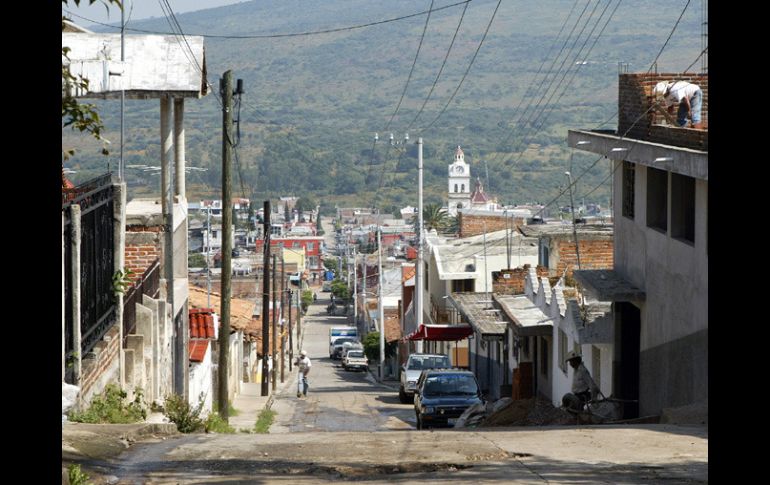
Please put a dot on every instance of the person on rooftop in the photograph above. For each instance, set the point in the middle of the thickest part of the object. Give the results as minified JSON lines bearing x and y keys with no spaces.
{"x":687,"y":96}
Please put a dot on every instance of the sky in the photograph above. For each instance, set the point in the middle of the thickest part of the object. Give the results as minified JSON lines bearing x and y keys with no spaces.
{"x":142,"y":9}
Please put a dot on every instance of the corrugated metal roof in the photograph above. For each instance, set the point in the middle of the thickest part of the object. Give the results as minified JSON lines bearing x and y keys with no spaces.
{"x":155,"y":65}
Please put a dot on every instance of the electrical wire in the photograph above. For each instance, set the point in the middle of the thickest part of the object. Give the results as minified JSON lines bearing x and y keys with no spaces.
{"x":414,"y":63}
{"x":670,"y":35}
{"x":276,"y":36}
{"x":473,"y":59}
{"x":435,"y":81}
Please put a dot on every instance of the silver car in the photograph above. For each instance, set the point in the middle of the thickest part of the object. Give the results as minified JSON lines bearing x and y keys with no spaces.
{"x":411,"y":371}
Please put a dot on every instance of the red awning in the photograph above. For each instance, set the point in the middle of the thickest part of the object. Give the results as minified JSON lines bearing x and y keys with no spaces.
{"x":440,"y":332}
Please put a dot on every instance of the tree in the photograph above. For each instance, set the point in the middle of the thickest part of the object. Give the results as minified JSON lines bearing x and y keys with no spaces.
{"x":434,"y":217}
{"x":306,"y":204}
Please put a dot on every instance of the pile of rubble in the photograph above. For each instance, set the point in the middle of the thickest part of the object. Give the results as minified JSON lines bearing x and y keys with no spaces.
{"x":507,"y":412}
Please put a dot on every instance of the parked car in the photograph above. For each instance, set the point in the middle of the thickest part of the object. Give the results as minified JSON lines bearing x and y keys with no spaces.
{"x":442,"y":395}
{"x":355,"y":359}
{"x":335,"y":350}
{"x":411,"y":370}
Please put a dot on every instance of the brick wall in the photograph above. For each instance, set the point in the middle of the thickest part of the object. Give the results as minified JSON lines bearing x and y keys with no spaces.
{"x":143,"y":246}
{"x":635,"y":98}
{"x":594,"y":254}
{"x":97,"y":362}
{"x":473,"y":225}
{"x":514,"y":284}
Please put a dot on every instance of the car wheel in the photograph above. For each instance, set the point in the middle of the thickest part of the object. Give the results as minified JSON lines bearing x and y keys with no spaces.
{"x":402,"y":396}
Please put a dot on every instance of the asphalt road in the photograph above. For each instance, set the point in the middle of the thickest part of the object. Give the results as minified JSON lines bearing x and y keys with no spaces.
{"x":338,"y":400}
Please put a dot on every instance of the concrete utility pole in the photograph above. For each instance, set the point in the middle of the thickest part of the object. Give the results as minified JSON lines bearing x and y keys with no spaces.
{"x":275,"y":334}
{"x":208,"y":257}
{"x":382,"y":310}
{"x":283,"y":292}
{"x":355,"y":288}
{"x":265,"y":296}
{"x":419,"y":273}
{"x":574,"y":229}
{"x":291,"y":343}
{"x":365,"y":309}
{"x":226,"y":88}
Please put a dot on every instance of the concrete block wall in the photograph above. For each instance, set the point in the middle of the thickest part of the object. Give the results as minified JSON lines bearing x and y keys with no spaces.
{"x":516,"y":281}
{"x":100,"y":365}
{"x":635,"y":98}
{"x":594,"y":254}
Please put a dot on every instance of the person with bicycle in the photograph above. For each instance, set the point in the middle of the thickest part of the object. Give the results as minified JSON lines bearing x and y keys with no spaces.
{"x":584,"y":389}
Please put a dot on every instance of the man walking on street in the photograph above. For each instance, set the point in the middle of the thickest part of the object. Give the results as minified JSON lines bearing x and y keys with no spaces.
{"x":584,"y":388}
{"x":303,"y":366}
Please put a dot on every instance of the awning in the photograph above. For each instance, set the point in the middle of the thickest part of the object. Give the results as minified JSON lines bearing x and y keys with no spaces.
{"x":440,"y":333}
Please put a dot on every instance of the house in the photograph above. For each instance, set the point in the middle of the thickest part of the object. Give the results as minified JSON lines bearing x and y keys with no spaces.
{"x":658,"y":288}
{"x":313,"y":247}
{"x":94,"y":217}
{"x":556,"y":246}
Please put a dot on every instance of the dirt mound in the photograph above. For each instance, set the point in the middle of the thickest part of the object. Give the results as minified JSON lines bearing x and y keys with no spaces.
{"x":528,"y":412}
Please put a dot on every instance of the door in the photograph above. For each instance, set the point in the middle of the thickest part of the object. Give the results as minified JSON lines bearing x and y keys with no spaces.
{"x":626,"y":361}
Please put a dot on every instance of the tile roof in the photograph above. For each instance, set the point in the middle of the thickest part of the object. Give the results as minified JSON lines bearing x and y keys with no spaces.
{"x":198,"y":349}
{"x":201,"y":323}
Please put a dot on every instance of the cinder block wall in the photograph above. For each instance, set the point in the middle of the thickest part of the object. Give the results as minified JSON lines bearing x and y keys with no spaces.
{"x":594,"y":254}
{"x":635,"y":98}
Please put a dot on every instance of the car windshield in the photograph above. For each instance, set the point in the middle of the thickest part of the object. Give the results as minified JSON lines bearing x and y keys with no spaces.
{"x":342,"y":340}
{"x":356,"y":353}
{"x":437,"y":362}
{"x":450,"y":385}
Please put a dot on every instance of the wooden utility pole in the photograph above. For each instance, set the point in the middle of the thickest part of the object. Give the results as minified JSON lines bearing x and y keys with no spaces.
{"x":226,"y":88}
{"x":265,"y":296}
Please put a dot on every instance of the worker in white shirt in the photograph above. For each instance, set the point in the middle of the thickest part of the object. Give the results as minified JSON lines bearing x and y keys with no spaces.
{"x":687,"y":96}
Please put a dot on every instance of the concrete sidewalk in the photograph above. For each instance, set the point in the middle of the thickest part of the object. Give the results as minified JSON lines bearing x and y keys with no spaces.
{"x":250,"y":401}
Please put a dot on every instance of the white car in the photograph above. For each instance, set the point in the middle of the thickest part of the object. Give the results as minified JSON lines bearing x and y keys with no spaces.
{"x":355,"y":359}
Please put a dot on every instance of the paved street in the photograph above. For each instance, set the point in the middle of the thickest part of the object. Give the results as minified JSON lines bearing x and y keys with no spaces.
{"x":338,"y":400}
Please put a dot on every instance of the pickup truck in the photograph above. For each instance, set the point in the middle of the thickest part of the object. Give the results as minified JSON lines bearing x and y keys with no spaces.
{"x":355,"y":359}
{"x":412,"y":369}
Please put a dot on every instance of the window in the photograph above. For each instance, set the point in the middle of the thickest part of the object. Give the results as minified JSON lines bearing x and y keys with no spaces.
{"x":310,"y":246}
{"x":425,"y":273}
{"x":455,"y":187}
{"x":683,"y":208}
{"x":629,"y":174}
{"x":544,"y":357}
{"x":562,"y":351}
{"x":295,"y":244}
{"x":657,"y":199}
{"x":463,"y":187}
{"x":459,"y":286}
{"x":543,"y":256}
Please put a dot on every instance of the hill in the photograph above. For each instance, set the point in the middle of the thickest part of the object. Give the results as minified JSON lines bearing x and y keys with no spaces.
{"x":314,"y":102}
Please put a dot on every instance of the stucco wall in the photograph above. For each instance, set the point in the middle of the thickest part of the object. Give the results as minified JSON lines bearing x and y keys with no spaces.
{"x":674,"y":316}
{"x":201,"y":383}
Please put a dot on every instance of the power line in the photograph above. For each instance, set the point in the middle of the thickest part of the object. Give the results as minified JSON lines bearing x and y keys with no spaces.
{"x":467,"y":70}
{"x":296,"y":34}
{"x":435,"y":81}
{"x":669,"y":36}
{"x":414,"y":63}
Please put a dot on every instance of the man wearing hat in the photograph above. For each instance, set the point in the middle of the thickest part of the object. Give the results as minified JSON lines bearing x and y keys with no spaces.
{"x":303,"y":364}
{"x":686,"y":95}
{"x":583,"y":386}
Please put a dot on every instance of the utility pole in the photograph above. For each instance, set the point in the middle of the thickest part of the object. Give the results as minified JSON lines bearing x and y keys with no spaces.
{"x":265,"y":296}
{"x":574,"y":229}
{"x":208,"y":254}
{"x":382,"y":310}
{"x":283,"y":292}
{"x":419,"y":273}
{"x":291,"y":343}
{"x":365,"y":309}
{"x":507,"y":238}
{"x":227,"y":243}
{"x":273,"y":354}
{"x":355,"y":287}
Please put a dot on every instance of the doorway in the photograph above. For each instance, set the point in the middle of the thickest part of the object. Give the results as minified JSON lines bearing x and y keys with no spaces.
{"x":626,"y":362}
